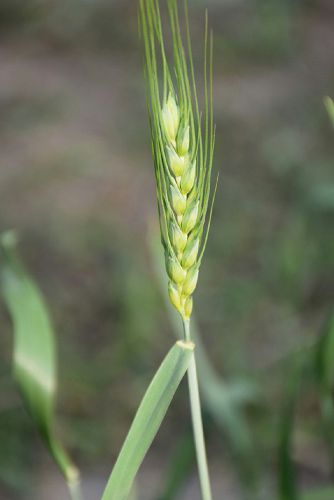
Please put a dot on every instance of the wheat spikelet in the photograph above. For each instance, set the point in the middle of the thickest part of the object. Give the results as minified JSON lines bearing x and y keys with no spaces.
{"x":182,"y":145}
{"x":182,"y":261}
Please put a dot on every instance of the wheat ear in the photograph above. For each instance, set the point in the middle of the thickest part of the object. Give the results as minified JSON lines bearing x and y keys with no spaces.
{"x":183,"y":145}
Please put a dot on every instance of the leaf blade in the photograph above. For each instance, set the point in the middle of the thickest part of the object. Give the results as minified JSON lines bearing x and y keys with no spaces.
{"x":34,"y":356}
{"x":147,"y":421}
{"x":330,"y":108}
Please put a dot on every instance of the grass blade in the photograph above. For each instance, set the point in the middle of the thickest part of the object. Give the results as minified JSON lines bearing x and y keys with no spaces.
{"x":324,"y":374}
{"x":147,"y":421}
{"x":324,"y":352}
{"x":287,"y":483}
{"x":34,"y":357}
{"x":330,"y":108}
{"x":296,"y":382}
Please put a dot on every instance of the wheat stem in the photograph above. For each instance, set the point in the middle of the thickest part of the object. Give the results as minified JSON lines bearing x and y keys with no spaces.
{"x":75,"y":490}
{"x":196,"y":415}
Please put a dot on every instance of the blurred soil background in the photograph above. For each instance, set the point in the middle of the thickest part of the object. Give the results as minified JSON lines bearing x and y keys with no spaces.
{"x":76,"y":181}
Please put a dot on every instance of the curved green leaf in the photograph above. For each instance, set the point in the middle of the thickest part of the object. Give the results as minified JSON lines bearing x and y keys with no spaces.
{"x":147,"y":421}
{"x":34,"y":357}
{"x":330,"y":108}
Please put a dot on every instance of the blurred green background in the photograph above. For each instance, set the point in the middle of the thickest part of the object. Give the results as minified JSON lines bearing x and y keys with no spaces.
{"x":76,"y":180}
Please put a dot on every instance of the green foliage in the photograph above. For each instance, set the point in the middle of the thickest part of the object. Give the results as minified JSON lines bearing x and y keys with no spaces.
{"x":313,"y":366}
{"x":287,"y":482}
{"x":330,"y":108}
{"x":34,"y":364}
{"x":34,"y":358}
{"x":147,"y":421}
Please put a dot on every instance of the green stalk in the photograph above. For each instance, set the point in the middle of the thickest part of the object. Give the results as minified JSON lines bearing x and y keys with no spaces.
{"x":196,"y":415}
{"x":75,"y":490}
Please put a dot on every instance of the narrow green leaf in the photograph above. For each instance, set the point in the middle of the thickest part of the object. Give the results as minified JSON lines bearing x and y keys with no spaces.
{"x":324,"y":374}
{"x":147,"y":421}
{"x":34,"y":357}
{"x":287,"y":480}
{"x":324,"y":355}
{"x":309,"y":365}
{"x":330,"y":108}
